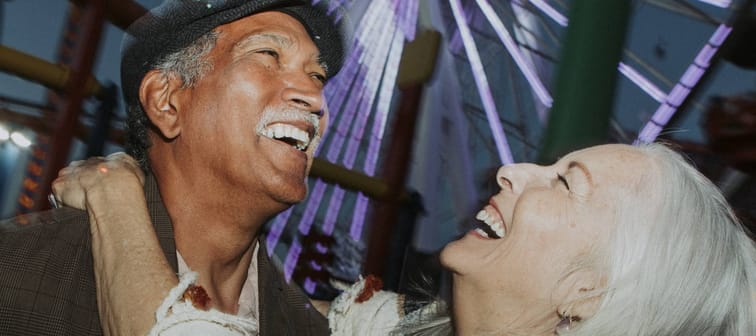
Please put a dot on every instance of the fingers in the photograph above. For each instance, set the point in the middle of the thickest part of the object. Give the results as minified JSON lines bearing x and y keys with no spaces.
{"x":71,"y":166}
{"x":67,"y":192}
{"x":104,"y":174}
{"x":129,"y":163}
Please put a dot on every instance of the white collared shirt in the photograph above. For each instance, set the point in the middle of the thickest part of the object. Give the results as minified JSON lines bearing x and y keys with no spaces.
{"x":248,"y":299}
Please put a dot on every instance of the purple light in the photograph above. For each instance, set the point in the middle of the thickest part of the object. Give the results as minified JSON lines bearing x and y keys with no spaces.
{"x":322,"y":249}
{"x":291,"y":259}
{"x":550,"y":12}
{"x":334,"y":206}
{"x":705,"y":56}
{"x":352,"y":126}
{"x":363,"y":72}
{"x":338,"y":136}
{"x":720,"y":35}
{"x":535,"y":82}
{"x":355,"y":63}
{"x":360,"y":209}
{"x":678,"y":94}
{"x":663,"y":114}
{"x":406,"y":16}
{"x":336,"y":91}
{"x":279,"y":223}
{"x":350,"y":111}
{"x":387,"y":85}
{"x":379,"y":125}
{"x":412,"y":15}
{"x":333,"y":5}
{"x":384,"y":103}
{"x":630,"y":73}
{"x":376,"y":71}
{"x":315,"y":266}
{"x":650,"y":131}
{"x":358,"y":130}
{"x":646,"y":85}
{"x":482,"y":83}
{"x":309,"y":285}
{"x":691,"y":76}
{"x":718,"y":3}
{"x":308,"y":216}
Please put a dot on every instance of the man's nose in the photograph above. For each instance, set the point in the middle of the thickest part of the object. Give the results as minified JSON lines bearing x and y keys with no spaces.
{"x":304,"y":92}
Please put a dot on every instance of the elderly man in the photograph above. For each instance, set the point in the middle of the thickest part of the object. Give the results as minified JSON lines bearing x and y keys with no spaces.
{"x":225,"y":111}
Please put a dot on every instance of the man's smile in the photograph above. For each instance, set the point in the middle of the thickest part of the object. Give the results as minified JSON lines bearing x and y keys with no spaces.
{"x":297,"y":137}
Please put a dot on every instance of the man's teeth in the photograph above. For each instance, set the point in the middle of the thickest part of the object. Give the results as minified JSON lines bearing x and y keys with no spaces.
{"x":494,"y":223}
{"x":284,"y":131}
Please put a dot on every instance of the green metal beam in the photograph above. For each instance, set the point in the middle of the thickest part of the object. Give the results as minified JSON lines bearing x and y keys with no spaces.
{"x":586,"y":78}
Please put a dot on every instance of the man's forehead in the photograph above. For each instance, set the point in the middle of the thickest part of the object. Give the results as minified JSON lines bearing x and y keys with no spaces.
{"x":178,"y":23}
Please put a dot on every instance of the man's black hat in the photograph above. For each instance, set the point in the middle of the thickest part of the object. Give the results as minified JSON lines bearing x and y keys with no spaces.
{"x":176,"y":24}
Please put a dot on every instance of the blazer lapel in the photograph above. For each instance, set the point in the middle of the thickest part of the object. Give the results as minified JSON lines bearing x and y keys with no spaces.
{"x":269,"y":290}
{"x":160,"y":220}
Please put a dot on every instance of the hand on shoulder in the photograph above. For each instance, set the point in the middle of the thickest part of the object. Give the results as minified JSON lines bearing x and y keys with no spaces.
{"x":97,"y":178}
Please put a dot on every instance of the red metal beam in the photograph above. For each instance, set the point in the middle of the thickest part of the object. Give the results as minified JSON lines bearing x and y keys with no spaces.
{"x":68,"y":115}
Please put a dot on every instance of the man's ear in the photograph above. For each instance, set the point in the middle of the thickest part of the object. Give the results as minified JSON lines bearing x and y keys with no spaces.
{"x":156,"y":93}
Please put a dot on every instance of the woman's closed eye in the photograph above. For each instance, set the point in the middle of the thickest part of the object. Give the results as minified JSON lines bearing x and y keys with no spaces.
{"x":564,"y":181}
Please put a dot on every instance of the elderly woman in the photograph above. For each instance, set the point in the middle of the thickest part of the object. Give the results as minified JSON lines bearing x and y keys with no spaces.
{"x":610,"y":240}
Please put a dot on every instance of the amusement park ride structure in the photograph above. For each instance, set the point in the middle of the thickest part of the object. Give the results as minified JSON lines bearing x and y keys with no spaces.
{"x":384,"y":61}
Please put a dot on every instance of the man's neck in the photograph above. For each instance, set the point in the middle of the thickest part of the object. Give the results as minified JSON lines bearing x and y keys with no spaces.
{"x":222,"y":280}
{"x":216,"y":236}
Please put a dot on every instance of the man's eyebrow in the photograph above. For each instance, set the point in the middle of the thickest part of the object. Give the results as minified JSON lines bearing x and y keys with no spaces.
{"x":280,"y":40}
{"x":583,"y":168}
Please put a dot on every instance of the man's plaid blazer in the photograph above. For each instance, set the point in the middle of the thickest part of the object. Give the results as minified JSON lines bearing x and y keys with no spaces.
{"x":47,"y":282}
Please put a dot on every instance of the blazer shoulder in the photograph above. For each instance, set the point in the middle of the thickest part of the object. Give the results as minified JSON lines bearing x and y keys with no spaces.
{"x":64,"y":216}
{"x":46,"y":267}
{"x":44,"y":235}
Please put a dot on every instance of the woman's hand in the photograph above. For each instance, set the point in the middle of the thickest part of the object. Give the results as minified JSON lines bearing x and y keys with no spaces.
{"x":85,"y":181}
{"x":131,"y":272}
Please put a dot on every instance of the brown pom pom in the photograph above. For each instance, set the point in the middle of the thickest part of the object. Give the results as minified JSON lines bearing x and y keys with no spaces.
{"x":198,"y":296}
{"x":372,"y":285}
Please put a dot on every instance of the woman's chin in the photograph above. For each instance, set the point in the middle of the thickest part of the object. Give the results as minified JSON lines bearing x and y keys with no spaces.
{"x":455,"y":257}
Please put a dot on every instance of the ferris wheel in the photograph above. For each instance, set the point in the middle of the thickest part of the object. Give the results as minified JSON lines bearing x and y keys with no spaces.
{"x":490,"y":100}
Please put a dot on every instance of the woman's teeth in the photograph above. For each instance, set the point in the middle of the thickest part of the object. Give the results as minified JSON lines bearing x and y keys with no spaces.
{"x":493,"y":222}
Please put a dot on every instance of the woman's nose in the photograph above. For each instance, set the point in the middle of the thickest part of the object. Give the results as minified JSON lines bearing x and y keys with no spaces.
{"x":514,"y":177}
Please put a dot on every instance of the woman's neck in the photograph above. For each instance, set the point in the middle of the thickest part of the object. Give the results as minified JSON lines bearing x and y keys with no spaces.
{"x":477,"y":310}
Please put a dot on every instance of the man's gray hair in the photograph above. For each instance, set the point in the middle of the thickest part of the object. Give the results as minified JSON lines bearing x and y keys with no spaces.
{"x":189,"y":64}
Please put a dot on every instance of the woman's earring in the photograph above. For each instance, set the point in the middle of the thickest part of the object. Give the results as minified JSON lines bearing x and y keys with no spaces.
{"x":566,"y":322}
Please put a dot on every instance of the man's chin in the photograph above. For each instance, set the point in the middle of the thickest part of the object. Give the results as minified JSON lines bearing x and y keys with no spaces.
{"x":293,"y":197}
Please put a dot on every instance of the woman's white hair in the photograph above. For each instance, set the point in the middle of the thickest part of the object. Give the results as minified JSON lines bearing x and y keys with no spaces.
{"x":679,"y":263}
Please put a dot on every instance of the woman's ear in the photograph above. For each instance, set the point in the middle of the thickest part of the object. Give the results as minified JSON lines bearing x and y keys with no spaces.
{"x":583,"y":307}
{"x":155,"y":93}
{"x":584,"y":290}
